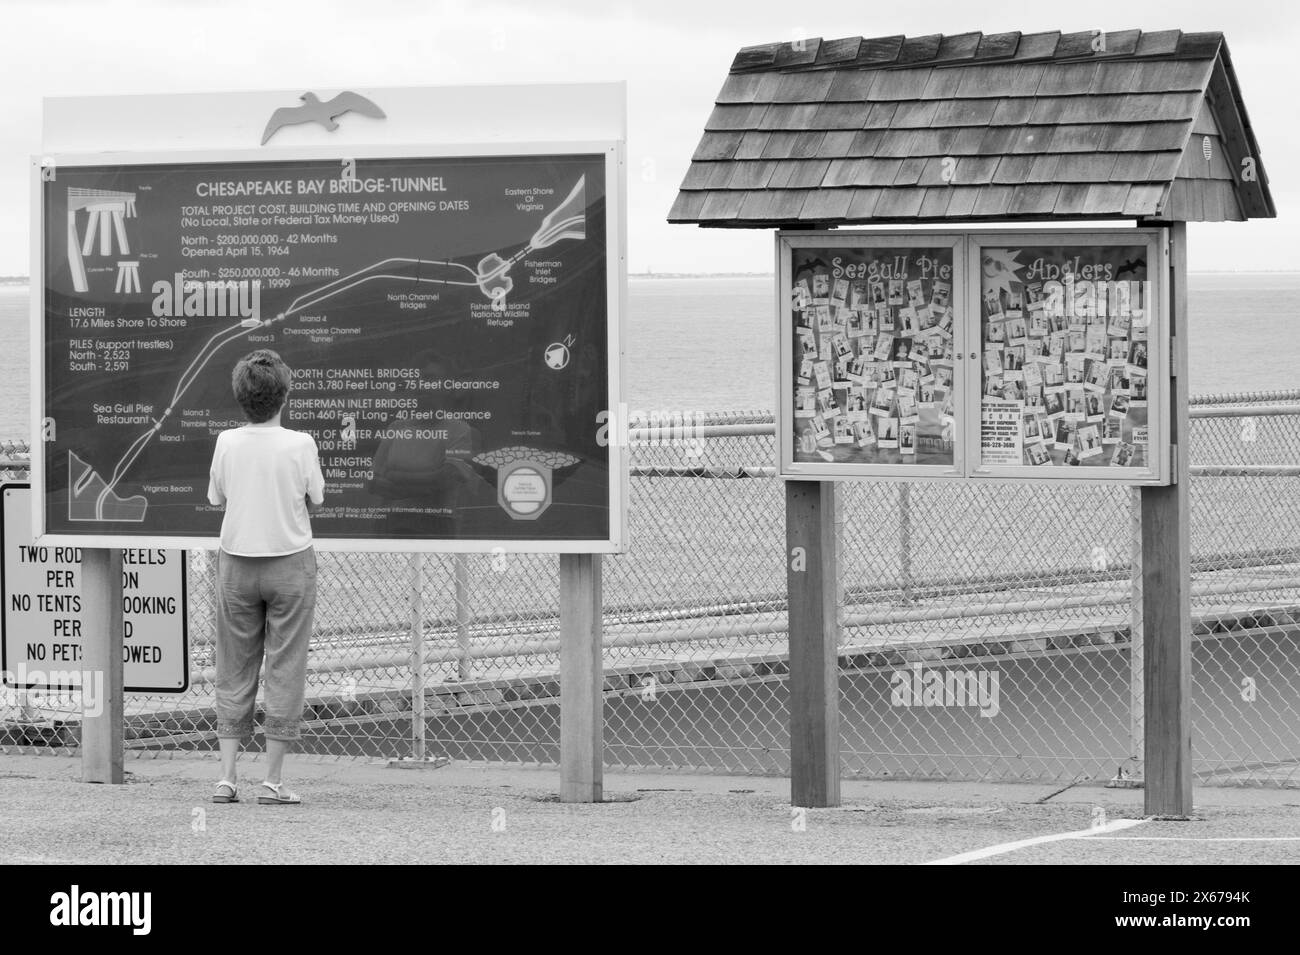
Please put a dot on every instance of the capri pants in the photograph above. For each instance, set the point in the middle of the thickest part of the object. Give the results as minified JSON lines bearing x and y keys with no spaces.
{"x":265,"y":608}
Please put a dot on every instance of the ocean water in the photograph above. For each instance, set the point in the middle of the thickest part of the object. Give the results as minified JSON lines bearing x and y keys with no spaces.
{"x":710,"y":343}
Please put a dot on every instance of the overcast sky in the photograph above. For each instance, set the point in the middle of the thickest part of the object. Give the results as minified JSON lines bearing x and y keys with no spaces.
{"x":674,"y":55}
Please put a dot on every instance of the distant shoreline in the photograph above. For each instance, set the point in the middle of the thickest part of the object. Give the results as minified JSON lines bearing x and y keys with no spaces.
{"x":16,"y":283}
{"x":768,"y":275}
{"x":650,"y":276}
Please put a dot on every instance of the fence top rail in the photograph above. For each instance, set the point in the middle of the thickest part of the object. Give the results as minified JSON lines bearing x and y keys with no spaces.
{"x":1246,"y":397}
{"x":1246,"y":411}
{"x":15,"y":454}
{"x":647,"y":429}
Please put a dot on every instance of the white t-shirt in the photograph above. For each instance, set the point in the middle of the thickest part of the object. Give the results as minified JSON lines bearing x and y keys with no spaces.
{"x":263,"y":475}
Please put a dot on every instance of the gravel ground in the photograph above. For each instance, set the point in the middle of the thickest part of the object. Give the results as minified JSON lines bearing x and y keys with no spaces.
{"x":357,"y":812}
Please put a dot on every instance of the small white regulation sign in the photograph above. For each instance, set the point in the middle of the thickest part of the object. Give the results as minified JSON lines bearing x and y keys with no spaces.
{"x":43,"y":612}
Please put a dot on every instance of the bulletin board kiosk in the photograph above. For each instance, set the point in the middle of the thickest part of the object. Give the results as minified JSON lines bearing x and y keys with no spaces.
{"x":1017,"y":310}
{"x":443,"y":269}
{"x":1025,"y":355}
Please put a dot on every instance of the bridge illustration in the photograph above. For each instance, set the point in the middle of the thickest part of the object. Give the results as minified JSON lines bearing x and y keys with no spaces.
{"x":108,"y":212}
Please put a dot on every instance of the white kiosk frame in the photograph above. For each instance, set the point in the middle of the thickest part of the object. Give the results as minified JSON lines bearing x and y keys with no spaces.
{"x":968,"y":245}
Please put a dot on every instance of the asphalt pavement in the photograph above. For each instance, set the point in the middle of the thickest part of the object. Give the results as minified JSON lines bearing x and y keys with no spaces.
{"x":365,"y":812}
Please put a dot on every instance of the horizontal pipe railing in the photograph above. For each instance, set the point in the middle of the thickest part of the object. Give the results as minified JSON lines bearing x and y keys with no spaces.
{"x":1245,"y":411}
{"x":499,"y":626}
{"x":1244,"y":470}
{"x":744,"y":472}
{"x":15,"y":454}
{"x":495,"y":626}
{"x":735,"y":630}
{"x":668,"y":432}
{"x":1238,"y":397}
{"x":739,"y":472}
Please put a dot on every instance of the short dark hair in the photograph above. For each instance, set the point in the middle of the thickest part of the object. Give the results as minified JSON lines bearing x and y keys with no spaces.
{"x":261,"y":383}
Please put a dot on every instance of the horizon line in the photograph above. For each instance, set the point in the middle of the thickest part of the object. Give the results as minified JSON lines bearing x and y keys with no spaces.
{"x":25,"y":280}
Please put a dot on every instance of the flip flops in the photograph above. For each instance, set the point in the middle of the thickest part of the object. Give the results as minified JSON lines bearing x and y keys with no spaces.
{"x":271,"y":794}
{"x":225,"y":792}
{"x":274,"y":794}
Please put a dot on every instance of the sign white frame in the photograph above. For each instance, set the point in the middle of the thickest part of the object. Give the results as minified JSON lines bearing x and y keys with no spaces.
{"x":614,"y":152}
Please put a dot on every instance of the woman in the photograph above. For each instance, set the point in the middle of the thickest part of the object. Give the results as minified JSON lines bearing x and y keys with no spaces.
{"x":267,"y":477}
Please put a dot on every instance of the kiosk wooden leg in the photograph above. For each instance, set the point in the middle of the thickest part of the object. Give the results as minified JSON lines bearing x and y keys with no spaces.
{"x":582,"y":680}
{"x":1137,"y":641}
{"x":102,"y":703}
{"x":1166,"y":585}
{"x":811,"y":576}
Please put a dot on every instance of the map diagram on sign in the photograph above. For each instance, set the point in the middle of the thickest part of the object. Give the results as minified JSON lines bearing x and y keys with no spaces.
{"x":93,"y":487}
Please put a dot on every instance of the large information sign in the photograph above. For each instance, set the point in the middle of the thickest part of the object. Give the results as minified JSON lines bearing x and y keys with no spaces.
{"x":43,"y":613}
{"x":451,"y":323}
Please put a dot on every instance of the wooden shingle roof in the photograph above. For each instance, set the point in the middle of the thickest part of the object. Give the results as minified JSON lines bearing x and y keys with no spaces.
{"x":969,"y":127}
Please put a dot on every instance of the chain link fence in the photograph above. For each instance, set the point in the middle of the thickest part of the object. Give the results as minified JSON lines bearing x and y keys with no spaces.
{"x":988,"y":631}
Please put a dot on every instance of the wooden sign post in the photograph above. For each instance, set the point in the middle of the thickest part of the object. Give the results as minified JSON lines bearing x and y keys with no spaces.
{"x":1166,"y":582}
{"x":101,"y":726}
{"x":812,"y":578}
{"x":582,"y":680}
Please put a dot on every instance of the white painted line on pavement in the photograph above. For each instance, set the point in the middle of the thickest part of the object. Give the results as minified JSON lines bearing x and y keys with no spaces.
{"x":974,"y":856}
{"x":1199,"y":838}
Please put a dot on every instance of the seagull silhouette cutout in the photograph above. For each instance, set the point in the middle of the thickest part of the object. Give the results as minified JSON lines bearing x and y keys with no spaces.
{"x":313,"y":110}
{"x":1130,"y":267}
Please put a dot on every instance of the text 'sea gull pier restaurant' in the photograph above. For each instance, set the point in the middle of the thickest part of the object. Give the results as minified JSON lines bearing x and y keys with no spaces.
{"x":1021,"y":353}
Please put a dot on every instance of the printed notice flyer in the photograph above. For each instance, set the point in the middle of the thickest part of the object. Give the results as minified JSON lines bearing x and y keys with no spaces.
{"x":1001,"y":437}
